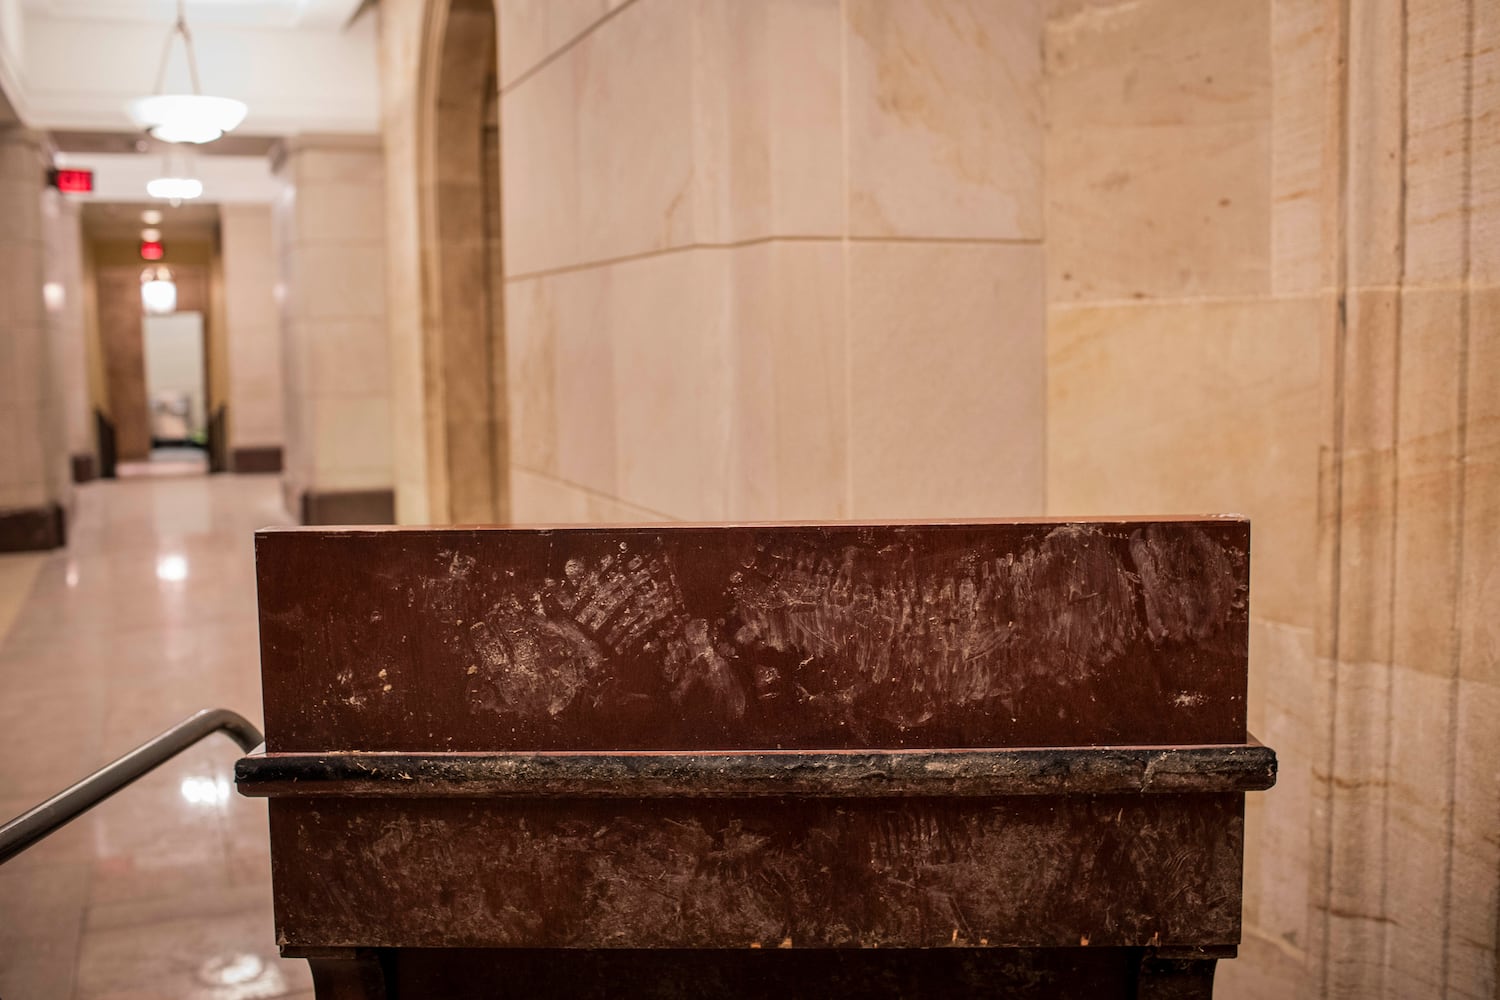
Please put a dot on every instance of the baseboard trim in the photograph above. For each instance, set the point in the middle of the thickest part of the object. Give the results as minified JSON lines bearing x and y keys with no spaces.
{"x":83,"y":468}
{"x":33,"y":529}
{"x":266,"y":458}
{"x":348,"y":507}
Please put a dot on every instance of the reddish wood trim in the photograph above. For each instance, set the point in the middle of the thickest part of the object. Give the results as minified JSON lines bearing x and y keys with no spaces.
{"x":33,"y":529}
{"x":259,"y":459}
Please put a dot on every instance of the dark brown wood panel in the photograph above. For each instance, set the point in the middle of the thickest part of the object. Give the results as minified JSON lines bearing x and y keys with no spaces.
{"x":83,"y":468}
{"x":1080,"y":871}
{"x":258,"y":459}
{"x":33,"y":529}
{"x":1124,"y":632}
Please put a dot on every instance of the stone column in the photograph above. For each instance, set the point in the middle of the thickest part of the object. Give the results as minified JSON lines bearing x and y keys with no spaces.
{"x":789,"y":266}
{"x":253,"y":339}
{"x":33,"y":463}
{"x":1405,"y":888}
{"x":1273,"y":260}
{"x":329,"y":231}
{"x":63,"y":296}
{"x":440,"y":101}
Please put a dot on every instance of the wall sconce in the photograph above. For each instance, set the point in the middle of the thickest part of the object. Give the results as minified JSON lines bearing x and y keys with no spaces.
{"x":158,"y":291}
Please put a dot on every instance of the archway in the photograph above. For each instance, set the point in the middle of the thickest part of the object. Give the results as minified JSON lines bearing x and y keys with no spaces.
{"x":462,"y":273}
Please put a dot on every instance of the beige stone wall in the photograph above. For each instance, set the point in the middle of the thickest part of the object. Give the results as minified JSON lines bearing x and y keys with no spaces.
{"x":773,"y":260}
{"x":328,"y":228}
{"x":62,"y":232}
{"x":33,"y":455}
{"x":402,"y":31}
{"x":253,"y":335}
{"x":441,"y":133}
{"x":786,"y":259}
{"x":766,"y":260}
{"x":1268,"y":231}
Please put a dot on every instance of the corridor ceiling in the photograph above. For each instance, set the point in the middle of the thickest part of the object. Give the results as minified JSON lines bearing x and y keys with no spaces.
{"x":121,"y":222}
{"x":303,"y":66}
{"x":221,"y":13}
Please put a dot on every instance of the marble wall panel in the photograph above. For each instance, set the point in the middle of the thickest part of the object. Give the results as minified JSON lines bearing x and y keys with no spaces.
{"x":668,"y":325}
{"x":769,"y":103}
{"x":534,"y":30}
{"x":790,"y":369}
{"x":1195,"y":406}
{"x":539,"y":188}
{"x":351,"y":444}
{"x":1158,"y":150}
{"x":1305,"y":168}
{"x":946,"y":355}
{"x":944,"y":111}
{"x":331,"y":252}
{"x":538,"y":499}
{"x":635,"y":127}
{"x":253,"y":338}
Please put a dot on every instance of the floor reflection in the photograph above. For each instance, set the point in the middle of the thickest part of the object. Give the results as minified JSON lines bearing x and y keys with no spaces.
{"x":164,"y":890}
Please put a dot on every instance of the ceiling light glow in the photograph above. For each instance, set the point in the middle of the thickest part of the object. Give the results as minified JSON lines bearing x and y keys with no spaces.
{"x":187,"y":117}
{"x":190,"y":118}
{"x":175,"y":188}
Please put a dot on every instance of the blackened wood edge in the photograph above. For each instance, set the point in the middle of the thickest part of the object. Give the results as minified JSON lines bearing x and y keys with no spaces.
{"x":840,"y":774}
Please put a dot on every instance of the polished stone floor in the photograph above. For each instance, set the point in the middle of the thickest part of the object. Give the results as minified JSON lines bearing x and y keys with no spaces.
{"x":147,"y":616}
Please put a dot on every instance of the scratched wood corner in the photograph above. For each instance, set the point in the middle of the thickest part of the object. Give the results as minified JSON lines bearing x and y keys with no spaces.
{"x":950,"y":735}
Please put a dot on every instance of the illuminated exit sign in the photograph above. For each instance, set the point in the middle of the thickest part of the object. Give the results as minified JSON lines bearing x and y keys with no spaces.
{"x":72,"y":181}
{"x":151,"y":250}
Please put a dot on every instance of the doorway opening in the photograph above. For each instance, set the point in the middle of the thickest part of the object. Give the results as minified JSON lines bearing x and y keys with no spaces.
{"x":155,"y":338}
{"x":464,"y":331}
{"x":176,"y":395}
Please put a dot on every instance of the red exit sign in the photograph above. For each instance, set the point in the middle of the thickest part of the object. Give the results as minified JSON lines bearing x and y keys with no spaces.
{"x":152,"y":250}
{"x":72,"y":181}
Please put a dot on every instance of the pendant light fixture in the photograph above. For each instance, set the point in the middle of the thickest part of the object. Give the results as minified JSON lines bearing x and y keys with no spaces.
{"x":158,"y":291}
{"x":185,"y":117}
{"x":177,"y":182}
{"x":175,"y":189}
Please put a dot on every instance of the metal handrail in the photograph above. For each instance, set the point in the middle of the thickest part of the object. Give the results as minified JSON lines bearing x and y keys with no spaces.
{"x":67,"y":805}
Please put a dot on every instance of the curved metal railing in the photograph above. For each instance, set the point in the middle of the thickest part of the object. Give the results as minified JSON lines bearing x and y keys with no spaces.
{"x":34,"y":824}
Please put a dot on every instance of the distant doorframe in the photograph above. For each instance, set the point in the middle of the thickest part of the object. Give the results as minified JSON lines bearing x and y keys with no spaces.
{"x":462,"y":278}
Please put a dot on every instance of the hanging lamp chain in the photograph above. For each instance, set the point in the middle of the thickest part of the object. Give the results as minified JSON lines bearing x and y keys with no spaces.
{"x":179,"y":27}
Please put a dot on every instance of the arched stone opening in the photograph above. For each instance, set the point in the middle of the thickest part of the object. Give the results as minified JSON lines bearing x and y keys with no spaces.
{"x":467,"y":443}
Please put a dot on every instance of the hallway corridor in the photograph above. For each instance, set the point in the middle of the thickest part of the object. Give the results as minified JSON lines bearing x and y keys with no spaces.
{"x":147,"y":615}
